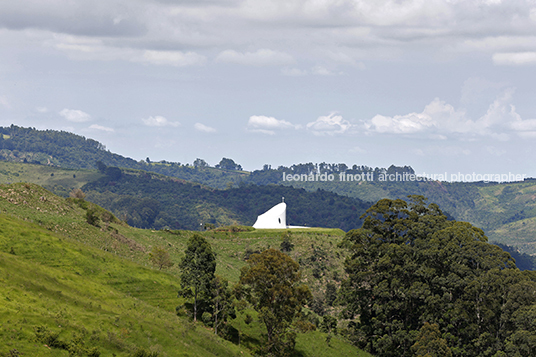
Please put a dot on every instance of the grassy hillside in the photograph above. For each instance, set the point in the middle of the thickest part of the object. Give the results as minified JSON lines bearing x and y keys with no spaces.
{"x":90,"y":299}
{"x":94,"y":286}
{"x":59,"y":181}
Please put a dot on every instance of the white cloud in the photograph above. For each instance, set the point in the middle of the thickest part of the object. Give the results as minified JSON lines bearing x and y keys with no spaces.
{"x":514,"y":58}
{"x":42,"y":109}
{"x":204,"y":128}
{"x":96,"y":49}
{"x":293,"y":72}
{"x":268,"y":125}
{"x":439,"y":120}
{"x":4,"y":102}
{"x":321,"y":71}
{"x":172,"y":58}
{"x":102,"y":128}
{"x":262,"y":57}
{"x":329,"y":125}
{"x":75,"y":115}
{"x":159,"y":121}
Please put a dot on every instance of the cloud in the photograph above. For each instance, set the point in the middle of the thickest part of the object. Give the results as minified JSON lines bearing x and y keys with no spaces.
{"x":329,"y":125}
{"x":42,"y":109}
{"x":204,"y":128}
{"x":440,"y":120}
{"x":268,"y":125}
{"x":87,"y":48}
{"x":159,"y":121}
{"x":293,"y":72}
{"x":262,"y":57}
{"x":4,"y":102}
{"x":75,"y":115}
{"x":102,"y":128}
{"x":172,"y":58}
{"x":514,"y":58}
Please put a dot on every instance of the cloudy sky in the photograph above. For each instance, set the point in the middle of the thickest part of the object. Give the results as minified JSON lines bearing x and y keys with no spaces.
{"x":440,"y":85}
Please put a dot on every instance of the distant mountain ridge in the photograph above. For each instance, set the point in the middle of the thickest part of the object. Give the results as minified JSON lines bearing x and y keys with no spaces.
{"x":68,"y":150}
{"x":506,"y":211}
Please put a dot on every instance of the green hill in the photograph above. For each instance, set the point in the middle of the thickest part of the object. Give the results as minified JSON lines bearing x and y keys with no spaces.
{"x":82,"y":287}
{"x":71,"y":151}
{"x":149,"y":200}
{"x":505,"y":211}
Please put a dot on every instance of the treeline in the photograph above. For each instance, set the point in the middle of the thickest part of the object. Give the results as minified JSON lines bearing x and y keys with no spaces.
{"x":67,"y":150}
{"x":150,"y":201}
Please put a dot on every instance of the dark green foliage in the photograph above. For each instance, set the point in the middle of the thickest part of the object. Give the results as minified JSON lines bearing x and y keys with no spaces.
{"x":271,"y":283}
{"x":222,"y":304}
{"x":430,"y":343}
{"x":228,"y":164}
{"x":409,"y":265}
{"x":198,"y":267}
{"x":113,"y":173}
{"x":248,"y":319}
{"x":101,"y":167}
{"x":331,"y":294}
{"x":92,"y":217}
{"x":329,"y":324}
{"x":286,"y":242}
{"x":12,"y":251}
{"x":149,"y":201}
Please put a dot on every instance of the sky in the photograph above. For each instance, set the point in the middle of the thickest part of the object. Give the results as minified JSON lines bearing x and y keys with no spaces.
{"x":444,"y":86}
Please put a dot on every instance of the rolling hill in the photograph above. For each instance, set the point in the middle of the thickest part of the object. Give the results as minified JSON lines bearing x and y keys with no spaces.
{"x":72,"y":286}
{"x":506,"y":211}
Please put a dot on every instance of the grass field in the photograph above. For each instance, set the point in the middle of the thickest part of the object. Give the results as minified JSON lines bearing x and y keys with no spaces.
{"x":95,"y":287}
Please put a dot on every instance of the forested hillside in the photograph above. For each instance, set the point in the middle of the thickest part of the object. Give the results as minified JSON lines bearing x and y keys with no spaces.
{"x":67,"y":150}
{"x":150,"y":201}
{"x":506,"y":211}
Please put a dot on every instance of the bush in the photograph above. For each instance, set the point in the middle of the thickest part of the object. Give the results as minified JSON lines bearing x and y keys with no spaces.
{"x":77,"y":193}
{"x":92,"y":218}
{"x":142,"y":352}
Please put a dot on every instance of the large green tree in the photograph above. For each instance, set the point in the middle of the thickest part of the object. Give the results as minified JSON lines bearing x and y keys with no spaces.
{"x":272,"y":284}
{"x":198,"y":267}
{"x":409,"y":265}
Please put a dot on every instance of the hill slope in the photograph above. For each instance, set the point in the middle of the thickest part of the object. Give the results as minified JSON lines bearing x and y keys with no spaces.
{"x":91,"y":285}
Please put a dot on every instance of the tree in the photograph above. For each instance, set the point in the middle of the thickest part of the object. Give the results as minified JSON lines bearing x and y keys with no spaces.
{"x":331,"y":293}
{"x":77,"y":193}
{"x":101,"y":166}
{"x":271,"y":283}
{"x":160,"y":258}
{"x":198,"y":267}
{"x":286,"y":242}
{"x":228,"y":164}
{"x":114,"y":173}
{"x":200,"y":163}
{"x":409,"y":264}
{"x":222,"y":302}
{"x":430,"y":343}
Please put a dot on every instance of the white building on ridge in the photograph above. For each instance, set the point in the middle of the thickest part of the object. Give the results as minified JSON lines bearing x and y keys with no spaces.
{"x":274,"y":218}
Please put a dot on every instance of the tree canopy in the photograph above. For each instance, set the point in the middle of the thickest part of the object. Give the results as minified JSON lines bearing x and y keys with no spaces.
{"x":271,"y":282}
{"x":198,"y":267}
{"x":409,"y":265}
